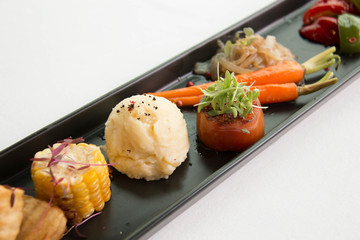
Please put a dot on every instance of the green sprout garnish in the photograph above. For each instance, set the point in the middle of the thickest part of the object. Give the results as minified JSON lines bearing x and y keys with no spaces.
{"x":227,"y":95}
{"x":244,"y":130}
{"x":249,"y":36}
{"x":246,"y":41}
{"x":227,"y":48}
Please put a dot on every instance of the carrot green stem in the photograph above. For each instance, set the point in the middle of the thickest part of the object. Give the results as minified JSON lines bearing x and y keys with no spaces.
{"x":326,"y":77}
{"x":325,"y":81}
{"x":321,"y":61}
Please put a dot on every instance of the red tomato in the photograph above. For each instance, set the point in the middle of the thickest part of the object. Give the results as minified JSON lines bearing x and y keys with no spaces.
{"x":224,"y":133}
{"x":323,"y":30}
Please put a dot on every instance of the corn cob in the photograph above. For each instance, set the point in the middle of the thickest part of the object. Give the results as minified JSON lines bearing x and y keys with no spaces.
{"x":76,"y":179}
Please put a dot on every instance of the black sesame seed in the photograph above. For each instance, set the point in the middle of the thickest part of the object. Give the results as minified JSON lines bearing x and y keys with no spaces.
{"x":130,"y":107}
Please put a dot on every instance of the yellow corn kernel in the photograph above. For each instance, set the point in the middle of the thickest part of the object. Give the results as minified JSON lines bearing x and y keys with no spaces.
{"x":78,"y":181}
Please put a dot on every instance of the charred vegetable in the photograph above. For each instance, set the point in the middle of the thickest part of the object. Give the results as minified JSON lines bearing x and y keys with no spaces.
{"x":229,"y":117}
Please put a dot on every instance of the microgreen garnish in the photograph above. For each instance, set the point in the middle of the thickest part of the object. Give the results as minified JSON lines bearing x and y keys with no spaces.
{"x":244,"y":130}
{"x":246,"y":40}
{"x":55,"y":182}
{"x":227,"y":95}
{"x":55,"y":157}
{"x":85,"y":220}
{"x":70,"y":140}
{"x":12,"y":196}
{"x":227,"y":48}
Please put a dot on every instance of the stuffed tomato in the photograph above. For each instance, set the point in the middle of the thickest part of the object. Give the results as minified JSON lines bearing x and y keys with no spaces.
{"x":229,"y":117}
{"x":226,"y":133}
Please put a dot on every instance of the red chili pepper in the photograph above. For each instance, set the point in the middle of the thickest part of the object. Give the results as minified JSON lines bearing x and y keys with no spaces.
{"x":324,"y":30}
{"x":328,"y":8}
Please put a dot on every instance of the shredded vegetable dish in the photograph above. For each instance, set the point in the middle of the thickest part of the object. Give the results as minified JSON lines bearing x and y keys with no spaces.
{"x":249,"y":53}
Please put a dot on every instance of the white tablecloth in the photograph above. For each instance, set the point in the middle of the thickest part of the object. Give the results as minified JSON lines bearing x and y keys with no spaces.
{"x":56,"y":56}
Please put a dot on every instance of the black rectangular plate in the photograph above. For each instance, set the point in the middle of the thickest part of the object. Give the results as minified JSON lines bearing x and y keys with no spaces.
{"x":138,"y":207}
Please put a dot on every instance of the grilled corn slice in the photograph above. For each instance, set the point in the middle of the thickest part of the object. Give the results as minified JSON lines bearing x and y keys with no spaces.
{"x":76,"y":179}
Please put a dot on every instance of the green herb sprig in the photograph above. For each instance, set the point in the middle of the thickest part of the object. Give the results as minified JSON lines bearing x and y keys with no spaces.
{"x":227,"y":95}
{"x":246,"y":40}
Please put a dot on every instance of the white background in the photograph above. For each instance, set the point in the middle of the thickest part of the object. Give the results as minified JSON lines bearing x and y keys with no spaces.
{"x":56,"y":56}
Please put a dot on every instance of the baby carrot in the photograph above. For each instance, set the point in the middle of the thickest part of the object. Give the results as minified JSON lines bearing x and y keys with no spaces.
{"x":183,"y":92}
{"x":276,"y":93}
{"x":291,"y":71}
{"x":285,"y":72}
{"x":269,"y":93}
{"x":186,"y":101}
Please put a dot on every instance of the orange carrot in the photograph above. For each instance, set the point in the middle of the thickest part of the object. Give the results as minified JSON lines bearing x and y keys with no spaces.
{"x":186,"y":101}
{"x":284,"y":72}
{"x":269,"y":93}
{"x":291,"y":71}
{"x":183,"y":92}
{"x":276,"y":93}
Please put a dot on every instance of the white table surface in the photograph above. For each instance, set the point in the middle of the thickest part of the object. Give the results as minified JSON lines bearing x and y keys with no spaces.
{"x":56,"y":56}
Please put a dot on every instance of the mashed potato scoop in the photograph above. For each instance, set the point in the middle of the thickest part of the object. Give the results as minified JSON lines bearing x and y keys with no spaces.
{"x":146,"y":137}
